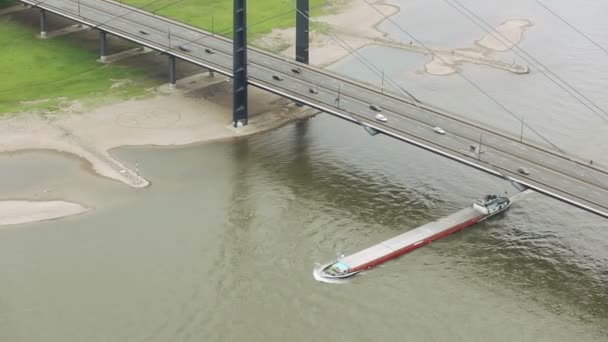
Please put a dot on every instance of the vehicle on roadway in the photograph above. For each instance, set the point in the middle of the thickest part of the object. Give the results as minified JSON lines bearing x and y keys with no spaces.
{"x":381,"y":117}
{"x":523,"y":171}
{"x":375,"y":108}
{"x":438,"y":130}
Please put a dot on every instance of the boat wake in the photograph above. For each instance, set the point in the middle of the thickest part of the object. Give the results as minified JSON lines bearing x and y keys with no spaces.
{"x":316,"y":273}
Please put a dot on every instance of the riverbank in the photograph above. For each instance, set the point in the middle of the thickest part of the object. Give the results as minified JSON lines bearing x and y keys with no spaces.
{"x":17,"y":212}
{"x":199,"y":111}
{"x":325,"y":49}
{"x":68,"y":72}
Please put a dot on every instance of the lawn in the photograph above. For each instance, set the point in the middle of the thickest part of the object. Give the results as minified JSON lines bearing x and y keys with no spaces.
{"x":35,"y":69}
{"x":7,"y":3}
{"x":41,"y":74}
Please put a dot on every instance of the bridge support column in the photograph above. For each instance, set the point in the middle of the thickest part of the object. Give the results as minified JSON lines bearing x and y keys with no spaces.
{"x":239,"y":67}
{"x":43,"y":23}
{"x":172,"y":77}
{"x":302,"y":40}
{"x":302,"y":27}
{"x":102,"y":46}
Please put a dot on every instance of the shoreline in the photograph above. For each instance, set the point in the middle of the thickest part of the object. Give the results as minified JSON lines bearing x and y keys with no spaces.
{"x":199,"y":111}
{"x":511,"y":32}
{"x":325,"y":51}
{"x":13,"y":212}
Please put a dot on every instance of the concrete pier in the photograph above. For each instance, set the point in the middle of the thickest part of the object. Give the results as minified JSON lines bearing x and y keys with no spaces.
{"x":43,"y":23}
{"x":102,"y":46}
{"x":172,"y":78}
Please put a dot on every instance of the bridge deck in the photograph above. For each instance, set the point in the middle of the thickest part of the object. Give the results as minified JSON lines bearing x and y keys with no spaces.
{"x":576,"y":183}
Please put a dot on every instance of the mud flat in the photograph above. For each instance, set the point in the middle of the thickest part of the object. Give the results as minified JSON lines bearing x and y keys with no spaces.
{"x":200,"y":111}
{"x":17,"y":212}
{"x":325,"y":49}
{"x":511,"y":32}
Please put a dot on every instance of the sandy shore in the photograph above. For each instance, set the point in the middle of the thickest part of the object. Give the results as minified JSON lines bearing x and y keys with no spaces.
{"x":325,"y":49}
{"x":16,"y":212}
{"x":510,"y":33}
{"x":200,"y":110}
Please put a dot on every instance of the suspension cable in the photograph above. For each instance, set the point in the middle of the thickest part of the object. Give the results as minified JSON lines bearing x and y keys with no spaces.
{"x":500,"y":104}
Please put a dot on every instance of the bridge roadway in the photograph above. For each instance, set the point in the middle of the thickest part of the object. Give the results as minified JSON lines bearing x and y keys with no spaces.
{"x":573,"y":182}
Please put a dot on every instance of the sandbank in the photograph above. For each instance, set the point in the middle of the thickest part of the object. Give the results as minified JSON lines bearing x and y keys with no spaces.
{"x":510,"y":33}
{"x":17,"y":212}
{"x":200,"y":111}
{"x":326,"y":49}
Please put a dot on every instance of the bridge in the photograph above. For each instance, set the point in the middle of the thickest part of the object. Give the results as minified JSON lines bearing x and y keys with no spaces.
{"x":548,"y":172}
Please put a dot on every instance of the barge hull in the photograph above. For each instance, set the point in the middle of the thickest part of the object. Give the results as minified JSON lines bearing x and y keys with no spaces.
{"x":412,"y":240}
{"x":416,"y":245}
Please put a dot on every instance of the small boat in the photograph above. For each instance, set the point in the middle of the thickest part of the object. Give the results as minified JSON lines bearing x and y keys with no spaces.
{"x":348,"y":266}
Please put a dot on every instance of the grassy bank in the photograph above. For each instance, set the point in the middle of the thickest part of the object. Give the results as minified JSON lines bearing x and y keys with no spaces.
{"x":43,"y":74}
{"x":36,"y":73}
{"x":7,"y":3}
{"x":216,"y":15}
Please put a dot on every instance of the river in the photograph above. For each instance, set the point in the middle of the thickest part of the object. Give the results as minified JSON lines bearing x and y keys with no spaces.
{"x":222,"y":246}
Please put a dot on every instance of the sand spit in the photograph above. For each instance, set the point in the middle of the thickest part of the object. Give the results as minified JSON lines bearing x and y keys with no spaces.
{"x":17,"y":212}
{"x":511,"y":32}
{"x":200,"y":111}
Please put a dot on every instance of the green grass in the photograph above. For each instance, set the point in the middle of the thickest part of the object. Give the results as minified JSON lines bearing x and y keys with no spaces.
{"x":7,"y":3}
{"x":217,"y":15}
{"x":34,"y":69}
{"x":57,"y":70}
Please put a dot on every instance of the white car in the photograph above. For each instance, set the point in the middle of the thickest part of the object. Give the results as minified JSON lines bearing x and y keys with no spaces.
{"x":439,"y":130}
{"x":381,"y":118}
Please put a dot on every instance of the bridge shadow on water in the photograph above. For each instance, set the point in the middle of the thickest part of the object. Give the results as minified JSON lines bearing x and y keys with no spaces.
{"x":521,"y":250}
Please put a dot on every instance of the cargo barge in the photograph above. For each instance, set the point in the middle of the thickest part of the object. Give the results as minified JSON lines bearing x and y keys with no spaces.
{"x":350,"y":265}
